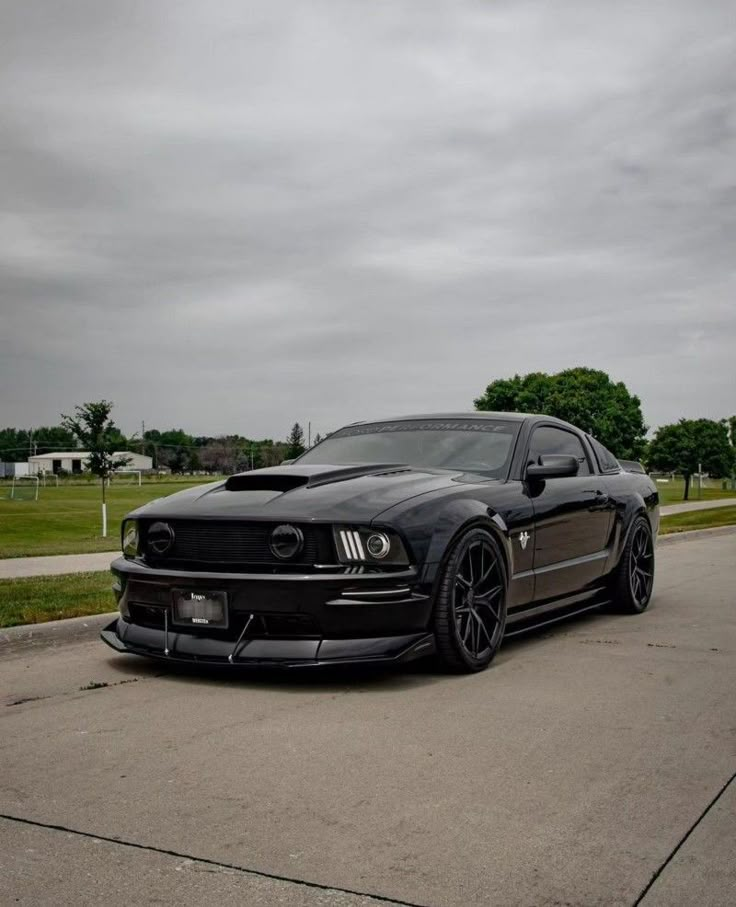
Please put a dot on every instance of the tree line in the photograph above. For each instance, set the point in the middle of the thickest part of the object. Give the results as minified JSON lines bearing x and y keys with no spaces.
{"x":583,"y":396}
{"x":172,"y":448}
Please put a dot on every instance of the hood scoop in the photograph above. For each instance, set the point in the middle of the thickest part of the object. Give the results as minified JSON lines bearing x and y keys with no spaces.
{"x":286,"y":478}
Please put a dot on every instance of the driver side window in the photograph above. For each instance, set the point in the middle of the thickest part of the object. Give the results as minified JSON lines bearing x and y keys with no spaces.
{"x":550,"y":440}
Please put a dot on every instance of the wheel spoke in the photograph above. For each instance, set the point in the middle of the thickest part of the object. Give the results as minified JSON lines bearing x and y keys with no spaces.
{"x":495,"y":614}
{"x":483,"y":628}
{"x":470,"y":632}
{"x":463,"y":582}
{"x":470,"y":565}
{"x":469,"y":628}
{"x":487,"y":596}
{"x":488,"y":572}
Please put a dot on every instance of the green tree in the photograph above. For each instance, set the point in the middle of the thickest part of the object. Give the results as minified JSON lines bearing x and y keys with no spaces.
{"x":691,"y":444}
{"x":295,"y":442}
{"x":52,"y":438}
{"x":584,"y":396}
{"x":177,"y":460}
{"x":194,"y":464}
{"x":95,"y":431}
{"x":14,"y":445}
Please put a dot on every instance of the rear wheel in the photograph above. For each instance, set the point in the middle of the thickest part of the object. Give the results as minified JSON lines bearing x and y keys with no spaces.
{"x":470,"y":613}
{"x":633,"y":579}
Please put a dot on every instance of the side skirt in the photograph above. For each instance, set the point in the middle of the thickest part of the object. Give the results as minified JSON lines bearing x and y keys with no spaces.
{"x":523,"y":627}
{"x":532,"y":617}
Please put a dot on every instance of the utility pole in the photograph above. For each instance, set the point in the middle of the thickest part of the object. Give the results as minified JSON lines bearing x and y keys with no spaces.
{"x":143,"y":436}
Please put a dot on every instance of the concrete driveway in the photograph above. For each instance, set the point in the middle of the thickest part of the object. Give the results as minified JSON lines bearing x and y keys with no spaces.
{"x":592,"y":764}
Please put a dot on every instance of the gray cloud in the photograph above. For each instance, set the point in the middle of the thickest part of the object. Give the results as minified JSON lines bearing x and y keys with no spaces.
{"x":228,"y":218}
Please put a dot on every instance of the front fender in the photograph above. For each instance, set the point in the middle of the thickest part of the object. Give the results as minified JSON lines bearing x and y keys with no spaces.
{"x":453,"y":520}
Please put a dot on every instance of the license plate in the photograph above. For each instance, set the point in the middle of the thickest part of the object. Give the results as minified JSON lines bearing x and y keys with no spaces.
{"x":200,"y":608}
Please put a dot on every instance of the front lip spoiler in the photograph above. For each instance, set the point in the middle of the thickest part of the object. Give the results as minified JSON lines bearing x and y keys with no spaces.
{"x":272,"y":653}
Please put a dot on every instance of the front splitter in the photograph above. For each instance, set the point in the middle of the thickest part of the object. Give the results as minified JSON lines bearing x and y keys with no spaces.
{"x":187,"y":648}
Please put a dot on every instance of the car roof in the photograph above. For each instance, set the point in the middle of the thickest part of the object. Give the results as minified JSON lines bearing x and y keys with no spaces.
{"x":475,"y":414}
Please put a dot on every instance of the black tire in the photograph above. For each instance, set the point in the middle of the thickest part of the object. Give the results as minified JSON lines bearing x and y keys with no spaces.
{"x":470,"y":610}
{"x":633,"y":578}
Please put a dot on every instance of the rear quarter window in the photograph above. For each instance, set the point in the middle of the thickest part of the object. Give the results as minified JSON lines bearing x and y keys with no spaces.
{"x":606,"y":460}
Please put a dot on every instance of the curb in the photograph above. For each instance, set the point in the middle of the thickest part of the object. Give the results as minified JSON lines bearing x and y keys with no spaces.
{"x":693,"y":534}
{"x":53,"y":632}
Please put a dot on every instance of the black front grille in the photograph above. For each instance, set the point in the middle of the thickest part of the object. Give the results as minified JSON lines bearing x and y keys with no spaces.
{"x":235,"y":543}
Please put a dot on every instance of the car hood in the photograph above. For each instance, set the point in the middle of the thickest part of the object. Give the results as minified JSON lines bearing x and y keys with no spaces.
{"x":303,"y":493}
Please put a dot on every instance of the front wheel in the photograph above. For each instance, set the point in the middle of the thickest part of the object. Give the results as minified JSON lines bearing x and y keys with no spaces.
{"x":633,"y":579}
{"x":470,"y":611}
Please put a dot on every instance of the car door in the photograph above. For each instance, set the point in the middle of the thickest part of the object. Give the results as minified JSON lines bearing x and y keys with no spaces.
{"x":572,"y":517}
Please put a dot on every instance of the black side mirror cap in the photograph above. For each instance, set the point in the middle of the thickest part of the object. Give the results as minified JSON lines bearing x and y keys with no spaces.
{"x":553,"y":466}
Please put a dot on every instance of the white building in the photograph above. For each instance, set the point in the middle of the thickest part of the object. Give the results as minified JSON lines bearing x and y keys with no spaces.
{"x":75,"y":461}
{"x":8,"y":470}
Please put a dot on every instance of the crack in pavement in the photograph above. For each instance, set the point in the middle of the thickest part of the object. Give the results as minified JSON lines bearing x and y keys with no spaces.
{"x":150,"y":848}
{"x":682,"y":840}
{"x":87,"y":688}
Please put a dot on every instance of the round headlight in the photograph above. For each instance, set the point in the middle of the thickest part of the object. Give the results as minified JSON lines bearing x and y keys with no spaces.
{"x":286,"y":542}
{"x":378,"y":545}
{"x":160,"y":538}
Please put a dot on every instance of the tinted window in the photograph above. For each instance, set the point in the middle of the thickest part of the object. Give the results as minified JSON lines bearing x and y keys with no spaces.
{"x":606,"y":460}
{"x":548,"y":440}
{"x":471,"y":445}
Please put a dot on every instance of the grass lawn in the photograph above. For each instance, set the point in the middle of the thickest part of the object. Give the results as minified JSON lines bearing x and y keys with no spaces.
{"x":67,"y":520}
{"x":671,"y":492}
{"x":698,"y":519}
{"x":35,"y":599}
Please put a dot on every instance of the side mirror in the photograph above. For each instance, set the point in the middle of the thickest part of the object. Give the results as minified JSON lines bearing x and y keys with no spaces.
{"x":553,"y":466}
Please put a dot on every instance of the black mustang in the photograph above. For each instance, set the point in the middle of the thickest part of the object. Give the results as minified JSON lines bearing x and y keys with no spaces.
{"x":389,"y":541}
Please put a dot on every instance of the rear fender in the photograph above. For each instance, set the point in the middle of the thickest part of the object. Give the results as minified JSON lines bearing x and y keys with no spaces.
{"x":636,"y":507}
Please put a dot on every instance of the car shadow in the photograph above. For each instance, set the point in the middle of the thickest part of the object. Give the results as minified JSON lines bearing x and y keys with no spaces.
{"x":322,"y":678}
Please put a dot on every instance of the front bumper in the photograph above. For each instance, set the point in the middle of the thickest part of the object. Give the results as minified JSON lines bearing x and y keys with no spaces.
{"x":298,"y":620}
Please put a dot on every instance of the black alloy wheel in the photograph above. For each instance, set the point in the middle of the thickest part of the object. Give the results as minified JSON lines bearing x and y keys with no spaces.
{"x":634,"y":576}
{"x":641,"y":566}
{"x":470,"y":613}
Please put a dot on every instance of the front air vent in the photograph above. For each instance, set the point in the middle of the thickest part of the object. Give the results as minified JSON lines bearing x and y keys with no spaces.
{"x":254,"y":481}
{"x":285,"y":478}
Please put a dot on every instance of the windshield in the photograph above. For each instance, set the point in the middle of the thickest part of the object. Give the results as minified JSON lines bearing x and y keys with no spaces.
{"x":470,"y":445}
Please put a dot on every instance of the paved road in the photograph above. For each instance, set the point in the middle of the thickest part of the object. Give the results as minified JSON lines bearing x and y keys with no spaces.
{"x":11,"y":568}
{"x":569,"y":773}
{"x":688,"y":506}
{"x":15,"y":567}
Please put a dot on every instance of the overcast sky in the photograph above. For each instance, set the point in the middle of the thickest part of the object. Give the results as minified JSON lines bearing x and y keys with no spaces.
{"x":230,"y":216}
